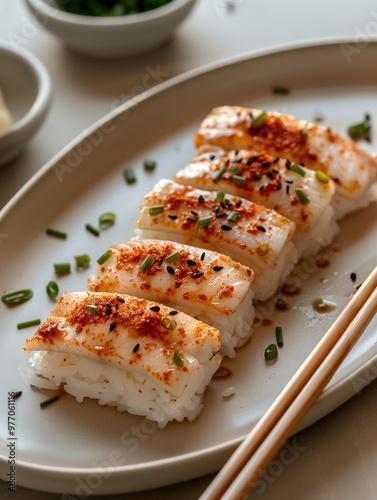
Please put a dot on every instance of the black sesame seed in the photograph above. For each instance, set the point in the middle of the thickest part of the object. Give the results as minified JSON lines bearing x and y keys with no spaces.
{"x":191,"y":262}
{"x":266,"y":164}
{"x":287,"y":189}
{"x":289,"y":182}
{"x":217,"y":208}
{"x":238,"y":160}
{"x":275,"y":171}
{"x":270,"y":175}
{"x":201,"y":198}
{"x":276,"y":160}
{"x":112,"y":326}
{"x":281,"y":304}
{"x":257,"y":177}
{"x":288,"y":164}
{"x":221,"y":214}
{"x":155,"y":308}
{"x":192,"y":219}
{"x":217,"y":268}
{"x":261,"y":188}
{"x":224,"y":227}
{"x":236,"y":152}
{"x":136,"y":348}
{"x":109,"y":309}
{"x":173,"y":313}
{"x":279,"y":186}
{"x":120,"y":299}
{"x":116,"y":306}
{"x":197,"y":274}
{"x":261,"y":228}
{"x":212,"y":157}
{"x":222,"y":204}
{"x":228,"y":202}
{"x":202,"y":257}
{"x":194,"y":213}
{"x":170,"y":269}
{"x":160,"y":261}
{"x":239,"y":202}
{"x":173,"y":217}
{"x":353,"y":277}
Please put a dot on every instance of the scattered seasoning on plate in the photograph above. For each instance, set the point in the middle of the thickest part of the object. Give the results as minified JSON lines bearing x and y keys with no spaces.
{"x":353,"y":277}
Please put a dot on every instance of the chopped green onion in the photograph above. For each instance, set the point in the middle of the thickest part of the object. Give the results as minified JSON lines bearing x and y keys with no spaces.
{"x":177,"y":360}
{"x":92,"y":308}
{"x":48,"y":401}
{"x":63,"y":267}
{"x":281,"y":90}
{"x":107,"y":219}
{"x":219,"y":174}
{"x":270,"y":352}
{"x":82,"y":260}
{"x":220,"y":195}
{"x":172,"y":257}
{"x":238,"y":179}
{"x":262,"y":249}
{"x":17,"y":297}
{"x":302,"y":196}
{"x":146,"y":264}
{"x":56,"y":233}
{"x":321,"y":176}
{"x":233,"y":216}
{"x":129,"y":176}
{"x":168,"y":323}
{"x":259,"y":120}
{"x":92,"y":229}
{"x":281,"y":305}
{"x":204,"y":221}
{"x":157,"y":209}
{"x":360,"y":130}
{"x":25,"y":324}
{"x":104,"y":257}
{"x":149,"y":165}
{"x":52,"y":289}
{"x":234,"y":169}
{"x":279,"y":335}
{"x":296,"y":168}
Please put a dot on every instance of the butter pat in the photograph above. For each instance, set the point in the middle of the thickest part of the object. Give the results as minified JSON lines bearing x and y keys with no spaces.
{"x":6,"y":120}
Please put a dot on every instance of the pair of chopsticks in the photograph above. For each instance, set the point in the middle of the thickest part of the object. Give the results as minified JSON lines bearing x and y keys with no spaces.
{"x":270,"y":433}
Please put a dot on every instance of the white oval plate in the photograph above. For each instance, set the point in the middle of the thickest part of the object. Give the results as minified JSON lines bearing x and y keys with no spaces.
{"x":86,"y":449}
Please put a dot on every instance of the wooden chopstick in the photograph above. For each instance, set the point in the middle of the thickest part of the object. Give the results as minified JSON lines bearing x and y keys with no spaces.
{"x":270,"y":432}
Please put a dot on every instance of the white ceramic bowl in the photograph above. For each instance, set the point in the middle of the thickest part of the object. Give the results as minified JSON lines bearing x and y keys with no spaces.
{"x":111,"y":36}
{"x":26,"y":87}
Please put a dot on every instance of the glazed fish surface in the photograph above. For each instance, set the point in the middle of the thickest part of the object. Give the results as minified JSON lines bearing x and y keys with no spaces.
{"x":316,"y":147}
{"x":205,"y":284}
{"x":251,"y":234}
{"x":127,"y":352}
{"x":300,"y":194}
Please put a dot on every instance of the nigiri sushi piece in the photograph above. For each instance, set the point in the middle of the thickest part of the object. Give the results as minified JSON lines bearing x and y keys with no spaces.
{"x":202,"y":283}
{"x":296,"y":192}
{"x":251,"y":234}
{"x":352,"y":169}
{"x":126,"y":352}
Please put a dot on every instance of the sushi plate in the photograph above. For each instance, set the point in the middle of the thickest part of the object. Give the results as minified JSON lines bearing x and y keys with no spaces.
{"x":85,"y":449}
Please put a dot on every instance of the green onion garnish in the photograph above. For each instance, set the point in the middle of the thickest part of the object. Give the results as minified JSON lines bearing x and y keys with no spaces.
{"x":52,"y":289}
{"x":219,"y":174}
{"x":168,"y":323}
{"x":302,"y":196}
{"x":321,"y":176}
{"x":296,"y":168}
{"x":129,"y":176}
{"x":157,"y":209}
{"x":104,"y":257}
{"x":56,"y":233}
{"x":238,"y":179}
{"x":82,"y":260}
{"x":17,"y":297}
{"x":279,"y":335}
{"x":177,"y":360}
{"x":281,"y":305}
{"x":270,"y":352}
{"x":107,"y":219}
{"x":233,"y":216}
{"x":26,"y":324}
{"x":204,"y":221}
{"x":92,"y":229}
{"x":91,"y":308}
{"x":281,"y":90}
{"x":262,"y":249}
{"x":146,"y":264}
{"x":149,"y":165}
{"x":261,"y":118}
{"x":48,"y":401}
{"x":234,"y":169}
{"x":172,"y":257}
{"x":62,"y":268}
{"x":360,"y":130}
{"x":220,"y":195}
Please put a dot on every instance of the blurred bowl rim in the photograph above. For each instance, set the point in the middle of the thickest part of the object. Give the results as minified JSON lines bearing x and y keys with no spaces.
{"x":127,"y":19}
{"x":42,"y":100}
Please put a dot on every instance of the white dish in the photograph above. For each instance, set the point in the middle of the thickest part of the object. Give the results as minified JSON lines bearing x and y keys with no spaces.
{"x":80,"y":448}
{"x":26,"y":87}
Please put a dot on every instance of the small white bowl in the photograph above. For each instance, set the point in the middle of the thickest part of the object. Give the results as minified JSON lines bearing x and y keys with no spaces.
{"x":26,"y":88}
{"x":111,"y":36}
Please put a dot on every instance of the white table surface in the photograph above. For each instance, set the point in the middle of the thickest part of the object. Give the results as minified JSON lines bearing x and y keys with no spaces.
{"x":338,"y":455}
